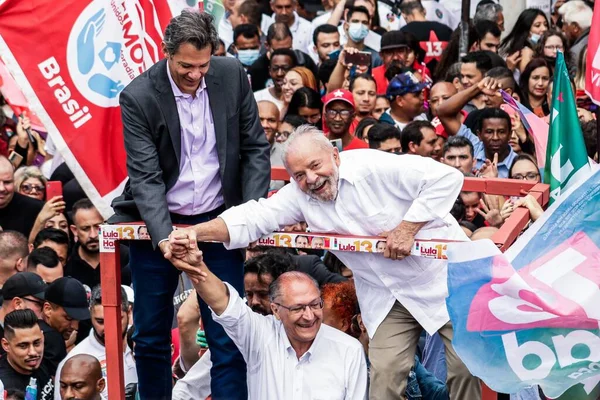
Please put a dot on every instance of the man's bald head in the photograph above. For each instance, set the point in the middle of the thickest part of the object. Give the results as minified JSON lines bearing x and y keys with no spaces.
{"x":268,"y":113}
{"x":440,"y":92}
{"x":81,"y":378}
{"x":7,"y":182}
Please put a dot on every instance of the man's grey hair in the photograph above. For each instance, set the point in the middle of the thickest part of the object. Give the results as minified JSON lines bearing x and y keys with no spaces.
{"x":276,"y":287}
{"x":487,"y":12}
{"x":577,"y":11}
{"x":309,"y":132}
{"x":191,"y":27}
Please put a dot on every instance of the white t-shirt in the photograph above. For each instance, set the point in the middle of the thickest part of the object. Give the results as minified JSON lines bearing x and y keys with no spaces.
{"x":265,"y":94}
{"x":402,"y":125}
{"x":436,"y":12}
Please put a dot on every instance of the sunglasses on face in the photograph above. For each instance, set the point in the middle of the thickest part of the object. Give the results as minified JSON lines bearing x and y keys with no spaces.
{"x":27,"y":188}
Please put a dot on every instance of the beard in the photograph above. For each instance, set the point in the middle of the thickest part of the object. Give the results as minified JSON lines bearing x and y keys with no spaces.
{"x":330,"y":192}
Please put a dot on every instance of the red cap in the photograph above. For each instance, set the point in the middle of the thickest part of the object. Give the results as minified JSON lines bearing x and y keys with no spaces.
{"x":338,"y":95}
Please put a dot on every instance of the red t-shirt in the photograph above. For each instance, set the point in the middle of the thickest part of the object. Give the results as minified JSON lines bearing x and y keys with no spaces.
{"x":379,"y":76}
{"x":382,"y":83}
{"x":356,"y":143}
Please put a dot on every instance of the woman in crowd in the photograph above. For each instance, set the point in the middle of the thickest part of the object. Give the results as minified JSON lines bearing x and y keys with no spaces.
{"x":551,"y":42}
{"x":364,"y":91}
{"x":287,"y":126}
{"x":30,"y":181}
{"x":59,"y":221}
{"x":525,"y":168}
{"x":363,"y":127}
{"x":307,"y":104}
{"x":534,"y":83}
{"x":581,"y":98}
{"x":296,"y":78}
{"x":525,"y":35}
{"x":381,"y":104}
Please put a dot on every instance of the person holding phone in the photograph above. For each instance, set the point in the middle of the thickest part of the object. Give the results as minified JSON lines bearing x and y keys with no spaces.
{"x":356,"y":27}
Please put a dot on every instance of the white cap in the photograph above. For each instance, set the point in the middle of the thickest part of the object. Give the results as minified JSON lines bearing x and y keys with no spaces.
{"x":129,"y":292}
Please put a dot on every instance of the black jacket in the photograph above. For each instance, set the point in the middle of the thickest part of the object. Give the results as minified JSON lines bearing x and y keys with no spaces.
{"x":152,"y":136}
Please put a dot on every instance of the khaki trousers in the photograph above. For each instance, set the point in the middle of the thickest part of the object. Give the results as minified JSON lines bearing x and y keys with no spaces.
{"x":392,"y":353}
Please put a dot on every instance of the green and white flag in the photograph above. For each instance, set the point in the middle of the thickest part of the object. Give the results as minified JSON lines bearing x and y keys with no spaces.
{"x":566,"y":155}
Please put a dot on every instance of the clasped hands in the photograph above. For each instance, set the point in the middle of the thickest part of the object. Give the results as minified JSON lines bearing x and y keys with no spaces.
{"x":182,"y":250}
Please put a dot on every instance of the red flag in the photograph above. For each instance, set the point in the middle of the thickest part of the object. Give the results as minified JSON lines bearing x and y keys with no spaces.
{"x":72,"y":59}
{"x":592,"y":75}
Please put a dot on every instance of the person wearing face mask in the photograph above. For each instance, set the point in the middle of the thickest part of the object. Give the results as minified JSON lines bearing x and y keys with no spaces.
{"x":246,"y":44}
{"x":356,"y":28}
{"x":518,"y":45}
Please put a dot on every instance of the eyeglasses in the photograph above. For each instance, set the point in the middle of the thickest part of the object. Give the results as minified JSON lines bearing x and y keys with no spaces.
{"x":341,"y":113}
{"x":282,"y":134}
{"x":556,"y":47}
{"x":38,"y":302}
{"x":315,"y":305}
{"x":27,"y":188}
{"x":530,"y":176}
{"x":277,"y":68}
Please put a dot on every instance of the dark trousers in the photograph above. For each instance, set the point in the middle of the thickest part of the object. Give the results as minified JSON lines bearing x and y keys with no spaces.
{"x":155,"y":281}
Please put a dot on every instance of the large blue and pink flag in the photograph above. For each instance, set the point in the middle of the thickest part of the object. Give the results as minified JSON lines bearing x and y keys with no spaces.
{"x":531,"y":316}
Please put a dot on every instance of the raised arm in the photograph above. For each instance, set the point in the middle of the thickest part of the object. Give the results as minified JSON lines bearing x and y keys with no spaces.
{"x":449,"y":111}
{"x":210,"y":288}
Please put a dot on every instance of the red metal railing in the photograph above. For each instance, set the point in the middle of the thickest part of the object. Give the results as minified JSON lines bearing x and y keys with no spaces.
{"x":111,"y":269}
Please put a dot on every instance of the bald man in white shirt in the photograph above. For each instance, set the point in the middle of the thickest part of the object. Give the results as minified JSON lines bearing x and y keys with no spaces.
{"x":291,"y":355}
{"x":366,"y":193}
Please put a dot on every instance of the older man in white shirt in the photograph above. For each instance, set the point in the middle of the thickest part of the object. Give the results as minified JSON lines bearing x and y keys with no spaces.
{"x":290,"y":355}
{"x":367,"y":193}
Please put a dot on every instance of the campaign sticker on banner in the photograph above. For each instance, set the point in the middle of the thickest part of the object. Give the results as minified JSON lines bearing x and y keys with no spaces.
{"x":435,"y":249}
{"x":362,"y":244}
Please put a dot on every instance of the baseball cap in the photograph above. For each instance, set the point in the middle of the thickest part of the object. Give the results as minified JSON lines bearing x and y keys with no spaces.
{"x":129,"y":293}
{"x":338,"y":95}
{"x":404,"y":83}
{"x":70,"y":294}
{"x":24,"y":284}
{"x":393,"y":40}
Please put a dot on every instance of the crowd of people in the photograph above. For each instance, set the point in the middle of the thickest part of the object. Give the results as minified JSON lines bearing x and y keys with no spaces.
{"x":377,"y":118}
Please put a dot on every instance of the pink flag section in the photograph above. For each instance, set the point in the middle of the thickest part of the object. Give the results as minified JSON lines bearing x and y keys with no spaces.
{"x":537,"y":128}
{"x":557,"y":290}
{"x":592,"y":76}
{"x":15,"y":98}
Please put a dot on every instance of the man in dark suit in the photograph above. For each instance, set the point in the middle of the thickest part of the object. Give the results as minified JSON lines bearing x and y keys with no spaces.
{"x":194,"y":146}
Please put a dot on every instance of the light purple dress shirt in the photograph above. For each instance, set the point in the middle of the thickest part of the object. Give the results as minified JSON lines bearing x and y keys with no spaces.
{"x":198,"y":189}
